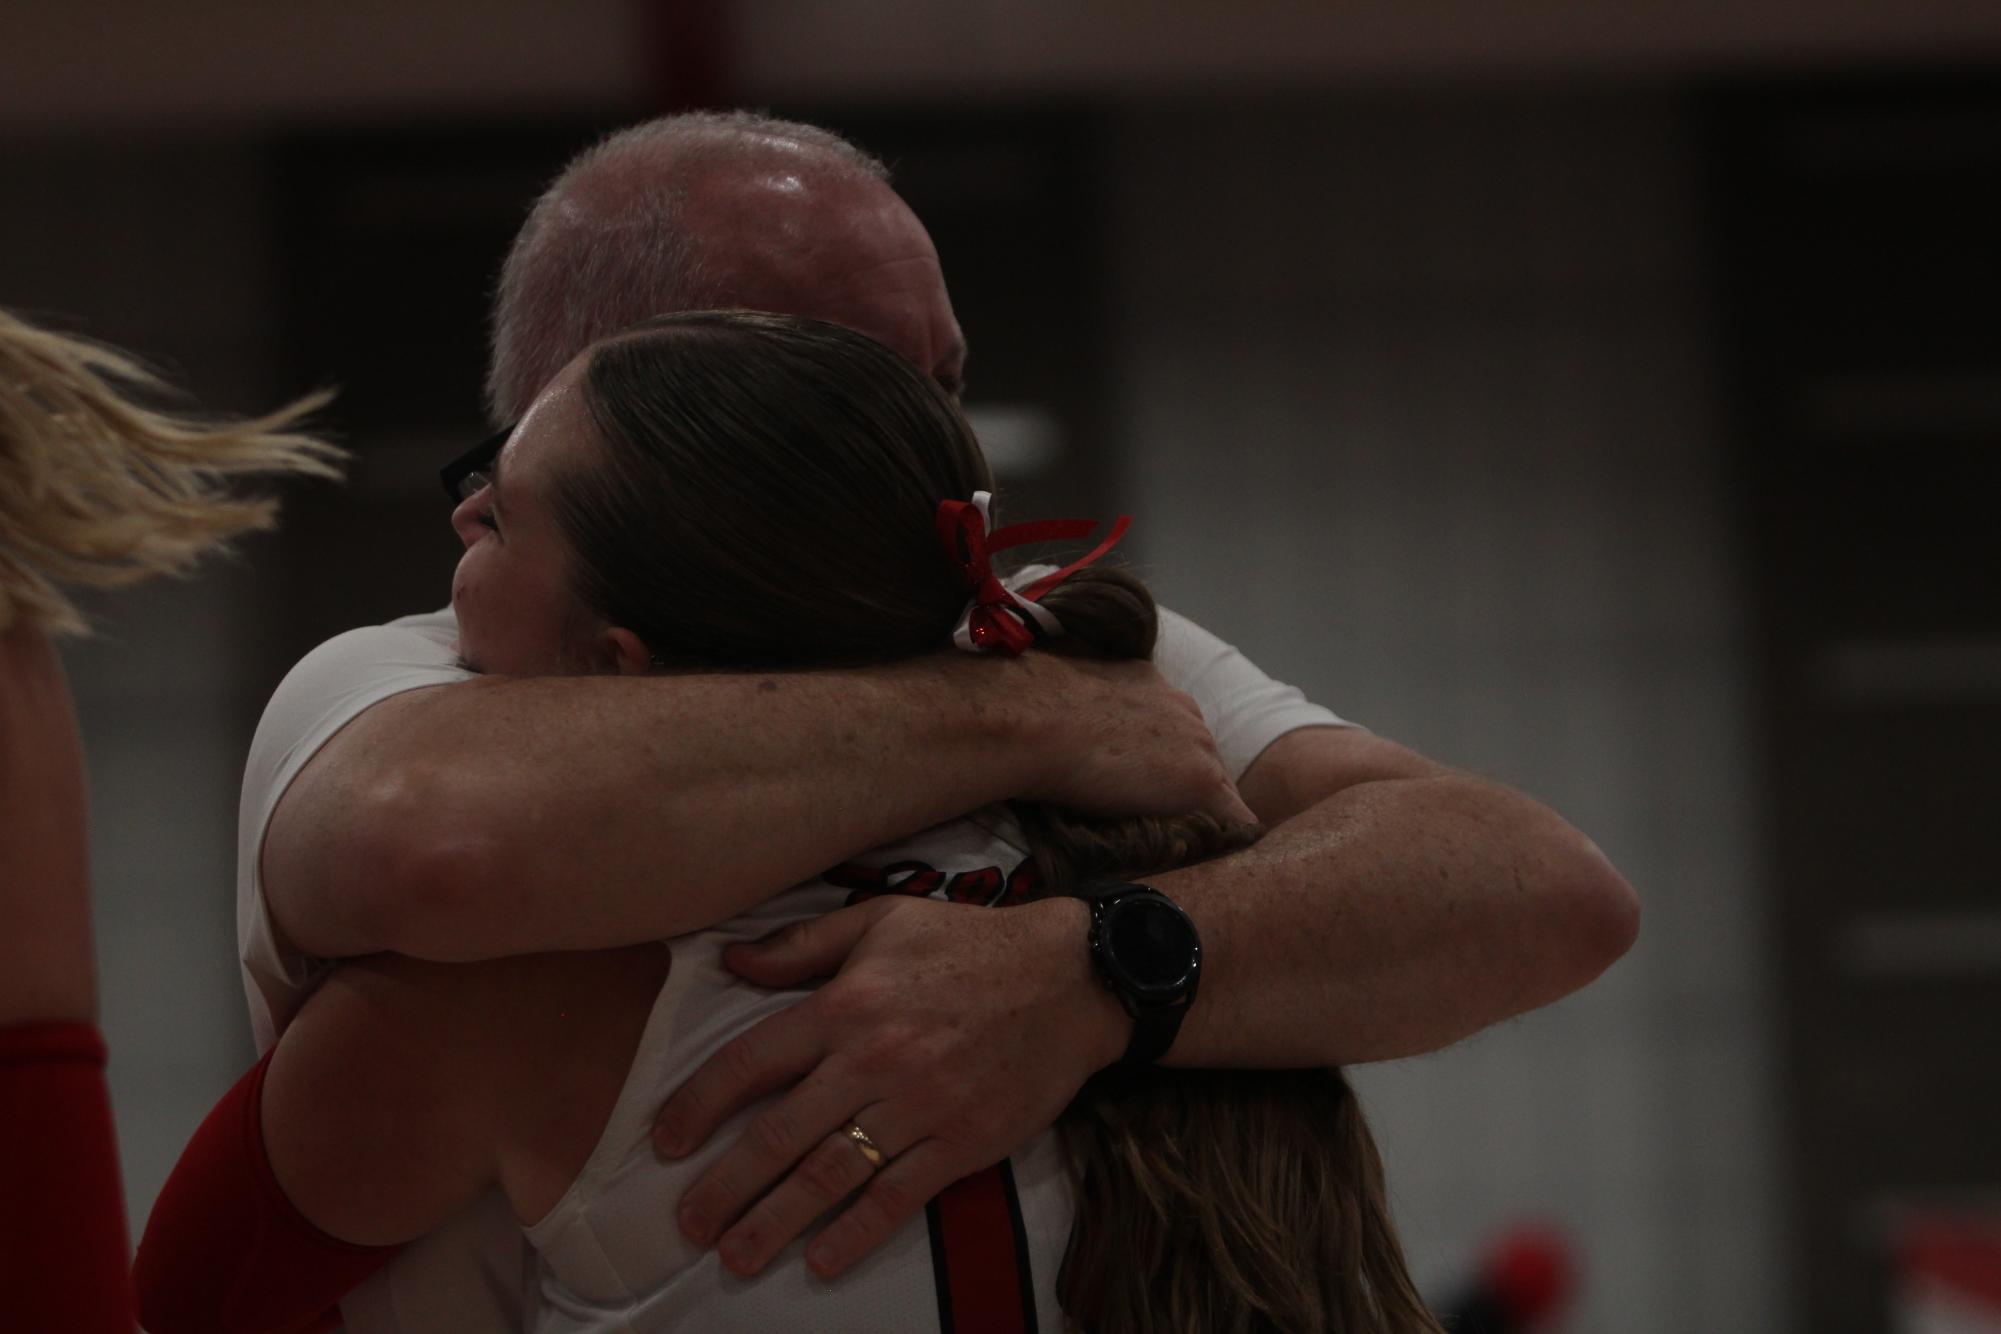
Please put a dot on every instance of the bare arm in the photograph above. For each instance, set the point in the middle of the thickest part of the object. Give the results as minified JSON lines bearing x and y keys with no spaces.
{"x":1396,"y":907}
{"x":404,"y":1088}
{"x":400,"y":1093}
{"x":506,"y":816}
{"x":1405,"y":907}
{"x":46,"y":967}
{"x":64,"y":1262}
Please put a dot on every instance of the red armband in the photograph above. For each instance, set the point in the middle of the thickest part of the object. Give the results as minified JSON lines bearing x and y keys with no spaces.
{"x":62,"y":1209}
{"x":225,"y":1252}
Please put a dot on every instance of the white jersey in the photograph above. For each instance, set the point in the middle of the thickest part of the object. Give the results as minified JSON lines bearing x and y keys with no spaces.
{"x":608,"y":1255}
{"x":331,"y":687}
{"x":437,"y":1283}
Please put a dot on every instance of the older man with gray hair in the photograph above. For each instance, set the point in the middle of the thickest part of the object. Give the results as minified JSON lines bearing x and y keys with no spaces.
{"x":396,"y":802}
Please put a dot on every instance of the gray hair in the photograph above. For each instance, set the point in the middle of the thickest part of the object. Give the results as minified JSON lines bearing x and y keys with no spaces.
{"x":608,"y":243}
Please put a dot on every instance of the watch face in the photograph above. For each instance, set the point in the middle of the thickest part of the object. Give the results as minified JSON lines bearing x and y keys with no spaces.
{"x":1151,"y":943}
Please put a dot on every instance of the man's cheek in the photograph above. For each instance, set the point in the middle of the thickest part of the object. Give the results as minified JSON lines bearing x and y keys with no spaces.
{"x":462,"y":579}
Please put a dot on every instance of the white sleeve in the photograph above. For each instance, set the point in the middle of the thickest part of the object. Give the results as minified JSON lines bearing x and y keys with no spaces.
{"x":1245,"y":709}
{"x":329,"y":688}
{"x":468,"y":1274}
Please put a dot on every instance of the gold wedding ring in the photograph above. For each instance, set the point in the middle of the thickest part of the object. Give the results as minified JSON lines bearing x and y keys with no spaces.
{"x":870,"y":1149}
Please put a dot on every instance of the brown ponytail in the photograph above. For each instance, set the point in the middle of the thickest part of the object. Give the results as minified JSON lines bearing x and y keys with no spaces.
{"x":766,"y":500}
{"x":1230,"y":1200}
{"x":1208,"y":1200}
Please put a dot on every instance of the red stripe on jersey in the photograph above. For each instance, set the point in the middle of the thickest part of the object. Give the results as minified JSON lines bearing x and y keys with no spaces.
{"x":979,"y":1255}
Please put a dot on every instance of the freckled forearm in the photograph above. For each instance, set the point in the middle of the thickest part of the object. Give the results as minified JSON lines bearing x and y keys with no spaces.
{"x":1390,"y":919}
{"x":601,"y":812}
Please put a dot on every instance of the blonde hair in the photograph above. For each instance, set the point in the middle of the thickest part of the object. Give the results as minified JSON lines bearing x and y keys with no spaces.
{"x":99,"y":490}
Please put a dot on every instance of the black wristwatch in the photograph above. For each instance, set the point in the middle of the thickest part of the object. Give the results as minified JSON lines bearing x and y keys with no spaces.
{"x":1148,"y":954}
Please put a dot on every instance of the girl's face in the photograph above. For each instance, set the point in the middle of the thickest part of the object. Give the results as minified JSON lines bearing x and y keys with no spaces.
{"x":512,"y":593}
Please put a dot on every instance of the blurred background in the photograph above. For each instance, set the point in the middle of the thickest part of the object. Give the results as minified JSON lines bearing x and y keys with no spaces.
{"x":1602,"y":398}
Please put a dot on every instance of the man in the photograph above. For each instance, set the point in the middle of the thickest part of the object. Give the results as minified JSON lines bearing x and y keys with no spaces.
{"x":394,"y":803}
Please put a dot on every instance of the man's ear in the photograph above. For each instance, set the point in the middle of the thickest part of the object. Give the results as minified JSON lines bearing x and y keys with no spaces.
{"x":623,"y":652}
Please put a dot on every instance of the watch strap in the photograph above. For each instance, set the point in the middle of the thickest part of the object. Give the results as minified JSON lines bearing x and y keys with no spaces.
{"x":1156,"y":1023}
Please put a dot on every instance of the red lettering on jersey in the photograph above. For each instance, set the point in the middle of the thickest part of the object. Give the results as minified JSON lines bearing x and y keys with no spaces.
{"x":912,"y":877}
{"x":985,"y":886}
{"x":1023,"y":885}
{"x":982,"y":886}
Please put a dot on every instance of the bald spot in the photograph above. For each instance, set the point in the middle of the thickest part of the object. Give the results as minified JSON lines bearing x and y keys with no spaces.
{"x":776,"y":224}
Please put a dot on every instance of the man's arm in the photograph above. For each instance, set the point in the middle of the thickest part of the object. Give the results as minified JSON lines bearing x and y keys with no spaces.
{"x":499,"y":816}
{"x":1407,"y":907}
{"x":1396,"y":907}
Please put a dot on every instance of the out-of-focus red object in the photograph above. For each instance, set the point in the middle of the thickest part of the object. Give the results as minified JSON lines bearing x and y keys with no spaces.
{"x":1529,"y":1270}
{"x":1948,"y":1274}
{"x":1525,"y":1283}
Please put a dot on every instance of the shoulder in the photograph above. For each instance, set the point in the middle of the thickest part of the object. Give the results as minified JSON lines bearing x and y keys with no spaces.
{"x":329,"y":688}
{"x":416,"y":650}
{"x":346,"y":675}
{"x":416,"y":1081}
{"x":332,"y":686}
{"x":1246,"y":709}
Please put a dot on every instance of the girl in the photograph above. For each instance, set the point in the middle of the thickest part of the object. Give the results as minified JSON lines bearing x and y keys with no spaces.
{"x":96,"y":488}
{"x":737,"y":492}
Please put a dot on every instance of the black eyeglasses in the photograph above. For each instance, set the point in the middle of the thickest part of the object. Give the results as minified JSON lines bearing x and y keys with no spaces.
{"x":472,"y":470}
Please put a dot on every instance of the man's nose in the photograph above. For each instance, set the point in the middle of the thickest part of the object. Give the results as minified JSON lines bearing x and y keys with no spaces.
{"x":465,"y":519}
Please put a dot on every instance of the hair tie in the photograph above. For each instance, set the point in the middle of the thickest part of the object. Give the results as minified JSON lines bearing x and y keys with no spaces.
{"x":999,"y":619}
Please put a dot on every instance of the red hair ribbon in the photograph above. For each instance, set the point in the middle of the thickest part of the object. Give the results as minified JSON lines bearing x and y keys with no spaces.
{"x":999,"y":619}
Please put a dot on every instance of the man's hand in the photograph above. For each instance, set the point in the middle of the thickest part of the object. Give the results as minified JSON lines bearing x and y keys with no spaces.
{"x":951,"y":1034}
{"x":1124,"y":742}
